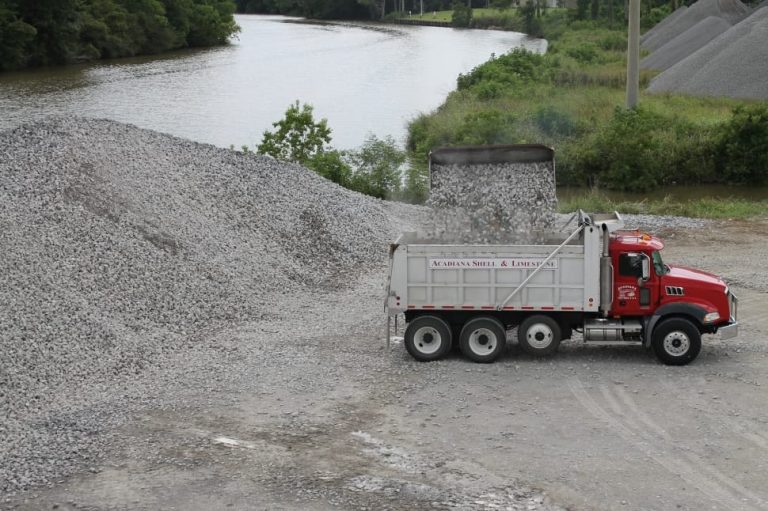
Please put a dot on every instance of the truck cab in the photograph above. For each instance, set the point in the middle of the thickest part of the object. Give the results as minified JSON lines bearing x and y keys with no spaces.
{"x":645,"y":286}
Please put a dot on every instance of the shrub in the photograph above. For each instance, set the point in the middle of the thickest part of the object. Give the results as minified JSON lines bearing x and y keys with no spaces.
{"x":377,"y":167}
{"x":624,"y":155}
{"x":553,"y":122}
{"x":515,"y":67}
{"x":613,"y":42}
{"x":487,"y":127}
{"x":656,"y":15}
{"x":331,"y":165}
{"x":586,"y":53}
{"x":742,"y":155}
{"x":462,"y":15}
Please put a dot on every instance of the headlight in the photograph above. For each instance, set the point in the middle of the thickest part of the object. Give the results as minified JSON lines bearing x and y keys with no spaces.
{"x":712,"y":316}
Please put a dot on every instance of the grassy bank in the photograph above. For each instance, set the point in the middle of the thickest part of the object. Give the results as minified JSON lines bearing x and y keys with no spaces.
{"x":572,"y":99}
{"x":720,"y":209}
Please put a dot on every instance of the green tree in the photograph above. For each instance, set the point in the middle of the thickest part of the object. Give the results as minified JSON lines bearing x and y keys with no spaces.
{"x":378,"y":167}
{"x":43,"y":32}
{"x":462,"y":15}
{"x":211,"y":23}
{"x":297,"y":136}
{"x":582,"y":8}
{"x":57,"y":23}
{"x":15,"y":37}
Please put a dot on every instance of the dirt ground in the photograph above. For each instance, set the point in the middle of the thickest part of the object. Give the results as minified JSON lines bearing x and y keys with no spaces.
{"x":331,"y":419}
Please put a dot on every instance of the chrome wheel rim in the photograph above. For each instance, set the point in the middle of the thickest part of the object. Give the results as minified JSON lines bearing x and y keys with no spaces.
{"x":483,"y":341}
{"x":677,"y":343}
{"x":427,"y":340}
{"x":539,"y":336}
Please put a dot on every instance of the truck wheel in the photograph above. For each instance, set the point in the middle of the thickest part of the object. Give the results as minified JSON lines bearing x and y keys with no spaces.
{"x":539,"y":335}
{"x":427,"y":338}
{"x":676,"y":341}
{"x":483,"y":339}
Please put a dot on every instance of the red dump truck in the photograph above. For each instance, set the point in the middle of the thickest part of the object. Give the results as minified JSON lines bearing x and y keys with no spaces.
{"x":607,"y":283}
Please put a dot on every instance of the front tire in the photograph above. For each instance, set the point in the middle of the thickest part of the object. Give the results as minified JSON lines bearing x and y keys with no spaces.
{"x":483,"y":339}
{"x":676,"y":341}
{"x":427,"y":338}
{"x":539,"y":335}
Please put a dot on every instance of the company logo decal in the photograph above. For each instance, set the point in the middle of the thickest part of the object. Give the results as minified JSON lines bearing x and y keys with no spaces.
{"x":627,"y":293}
{"x":485,"y":263}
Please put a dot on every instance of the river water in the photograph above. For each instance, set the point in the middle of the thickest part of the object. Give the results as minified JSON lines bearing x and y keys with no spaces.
{"x":364,"y":78}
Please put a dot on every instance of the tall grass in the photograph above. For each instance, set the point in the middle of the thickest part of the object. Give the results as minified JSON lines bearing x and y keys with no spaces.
{"x":730,"y":208}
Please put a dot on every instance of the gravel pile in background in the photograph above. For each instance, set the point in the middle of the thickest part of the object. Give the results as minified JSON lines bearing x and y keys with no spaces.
{"x":492,"y":203}
{"x":121,"y":246}
{"x":731,"y":11}
{"x":734,"y":64}
{"x":685,"y":44}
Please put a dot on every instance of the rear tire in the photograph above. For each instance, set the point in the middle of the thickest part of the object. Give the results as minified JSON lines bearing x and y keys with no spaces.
{"x":676,"y":341}
{"x":427,"y":338}
{"x":539,"y":335}
{"x":483,"y":339}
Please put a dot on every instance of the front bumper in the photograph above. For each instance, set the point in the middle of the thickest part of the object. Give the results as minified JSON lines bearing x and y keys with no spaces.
{"x":729,"y":331}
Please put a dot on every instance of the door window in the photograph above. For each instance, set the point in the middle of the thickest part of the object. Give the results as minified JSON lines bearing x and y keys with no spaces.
{"x":631,"y":265}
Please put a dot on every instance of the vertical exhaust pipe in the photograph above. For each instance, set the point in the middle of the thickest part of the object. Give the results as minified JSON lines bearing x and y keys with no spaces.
{"x":606,"y":274}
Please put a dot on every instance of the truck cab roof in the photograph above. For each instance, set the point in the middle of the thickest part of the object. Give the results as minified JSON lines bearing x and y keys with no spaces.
{"x":635,"y":240}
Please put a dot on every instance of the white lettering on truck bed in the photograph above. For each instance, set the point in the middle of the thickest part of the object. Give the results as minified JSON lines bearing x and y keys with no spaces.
{"x":485,"y":263}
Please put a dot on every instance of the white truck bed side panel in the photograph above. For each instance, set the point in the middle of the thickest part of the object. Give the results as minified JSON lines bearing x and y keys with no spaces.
{"x":483,"y":276}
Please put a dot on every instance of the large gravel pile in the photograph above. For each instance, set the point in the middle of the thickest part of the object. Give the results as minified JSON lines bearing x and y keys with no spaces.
{"x":476,"y":201}
{"x":734,"y":64}
{"x":121,"y":245}
{"x":685,"y":44}
{"x":731,"y":11}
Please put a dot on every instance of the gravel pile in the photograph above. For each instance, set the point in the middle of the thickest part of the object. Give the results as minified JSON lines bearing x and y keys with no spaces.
{"x":734,"y":64}
{"x":731,"y":11}
{"x":685,"y":44}
{"x":122,"y":246}
{"x":502,"y":201}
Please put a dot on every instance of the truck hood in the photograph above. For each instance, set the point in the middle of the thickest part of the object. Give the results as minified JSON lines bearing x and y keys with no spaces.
{"x":681,"y":274}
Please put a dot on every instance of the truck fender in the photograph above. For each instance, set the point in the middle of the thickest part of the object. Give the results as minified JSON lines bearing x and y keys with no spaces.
{"x":677,"y":309}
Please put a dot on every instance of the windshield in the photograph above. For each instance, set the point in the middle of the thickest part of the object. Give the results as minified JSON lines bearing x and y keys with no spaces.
{"x":658,"y":264}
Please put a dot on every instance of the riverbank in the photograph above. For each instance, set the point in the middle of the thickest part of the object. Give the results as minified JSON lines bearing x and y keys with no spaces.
{"x":572,"y":99}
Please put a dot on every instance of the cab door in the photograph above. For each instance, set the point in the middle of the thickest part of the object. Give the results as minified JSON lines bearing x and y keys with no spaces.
{"x":635,"y":287}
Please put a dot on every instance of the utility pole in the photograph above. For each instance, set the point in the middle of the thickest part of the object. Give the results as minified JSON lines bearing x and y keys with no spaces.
{"x":633,"y":54}
{"x":421,"y":11}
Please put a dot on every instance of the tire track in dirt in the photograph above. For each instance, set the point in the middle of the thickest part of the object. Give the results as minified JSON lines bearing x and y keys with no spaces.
{"x":696,"y":460}
{"x":687,"y":466}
